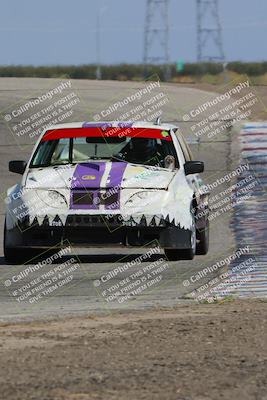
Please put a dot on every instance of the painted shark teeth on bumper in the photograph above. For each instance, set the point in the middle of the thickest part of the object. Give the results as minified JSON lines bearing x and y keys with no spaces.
{"x":133,"y":220}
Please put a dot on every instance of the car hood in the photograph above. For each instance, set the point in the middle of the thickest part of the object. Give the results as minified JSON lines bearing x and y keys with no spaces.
{"x":95,"y":175}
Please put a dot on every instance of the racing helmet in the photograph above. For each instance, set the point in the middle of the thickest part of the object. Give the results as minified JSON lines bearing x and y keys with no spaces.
{"x":143,"y":148}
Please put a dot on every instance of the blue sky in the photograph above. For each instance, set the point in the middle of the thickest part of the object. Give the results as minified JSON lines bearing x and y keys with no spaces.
{"x":64,"y":32}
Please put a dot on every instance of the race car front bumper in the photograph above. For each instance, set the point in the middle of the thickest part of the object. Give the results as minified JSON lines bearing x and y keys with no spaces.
{"x":104,"y":230}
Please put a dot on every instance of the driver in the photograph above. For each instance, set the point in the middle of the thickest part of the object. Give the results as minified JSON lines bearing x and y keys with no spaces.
{"x":142,"y":151}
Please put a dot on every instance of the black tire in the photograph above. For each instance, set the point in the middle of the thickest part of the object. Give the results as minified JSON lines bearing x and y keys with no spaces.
{"x":176,"y":254}
{"x":16,"y":255}
{"x":203,"y":240}
{"x":187,"y":254}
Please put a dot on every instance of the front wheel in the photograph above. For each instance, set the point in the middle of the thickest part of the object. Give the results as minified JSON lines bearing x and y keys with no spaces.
{"x":176,"y":255}
{"x":184,"y":254}
{"x":203,"y":240}
{"x":15,"y":255}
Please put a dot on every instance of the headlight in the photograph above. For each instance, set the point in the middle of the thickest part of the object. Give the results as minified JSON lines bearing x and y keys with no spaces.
{"x":57,"y":198}
{"x":145,"y":198}
{"x":52,"y":198}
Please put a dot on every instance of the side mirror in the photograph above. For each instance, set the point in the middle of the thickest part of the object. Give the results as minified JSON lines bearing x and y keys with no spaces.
{"x":193,"y":167}
{"x":18,"y":167}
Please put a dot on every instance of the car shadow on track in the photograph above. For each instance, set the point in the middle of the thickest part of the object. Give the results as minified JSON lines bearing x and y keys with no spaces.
{"x":95,"y":259}
{"x":111,"y":258}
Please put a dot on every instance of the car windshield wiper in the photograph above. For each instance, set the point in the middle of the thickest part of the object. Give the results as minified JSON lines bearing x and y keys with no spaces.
{"x":93,"y":158}
{"x":60,"y":163}
{"x":111,"y":158}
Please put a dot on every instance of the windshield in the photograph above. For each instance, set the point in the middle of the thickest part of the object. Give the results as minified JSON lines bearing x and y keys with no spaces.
{"x":137,"y":150}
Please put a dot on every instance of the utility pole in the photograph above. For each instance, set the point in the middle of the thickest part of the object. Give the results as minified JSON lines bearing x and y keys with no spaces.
{"x":209,"y":32}
{"x":156,"y":41}
{"x":100,"y":12}
{"x":98,"y":45}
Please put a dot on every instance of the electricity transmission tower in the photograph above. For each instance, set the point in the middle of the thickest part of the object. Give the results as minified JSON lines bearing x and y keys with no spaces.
{"x":156,"y":44}
{"x":209,"y":32}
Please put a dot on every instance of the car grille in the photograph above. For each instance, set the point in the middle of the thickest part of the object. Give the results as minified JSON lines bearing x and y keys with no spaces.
{"x":115,"y":220}
{"x":95,"y":198}
{"x":83,"y":198}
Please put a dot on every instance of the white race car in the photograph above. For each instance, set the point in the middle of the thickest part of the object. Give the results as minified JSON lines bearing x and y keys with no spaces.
{"x":91,"y":184}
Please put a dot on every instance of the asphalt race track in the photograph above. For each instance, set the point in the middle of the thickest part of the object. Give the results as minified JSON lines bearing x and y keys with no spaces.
{"x":83,"y":294}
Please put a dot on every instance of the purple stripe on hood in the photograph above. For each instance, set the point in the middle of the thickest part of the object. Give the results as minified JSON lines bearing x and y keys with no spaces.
{"x":116,"y":174}
{"x":87,"y":176}
{"x":114,"y":183}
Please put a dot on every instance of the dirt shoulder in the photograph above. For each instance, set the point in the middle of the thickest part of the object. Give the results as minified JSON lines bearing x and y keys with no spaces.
{"x":194,"y":351}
